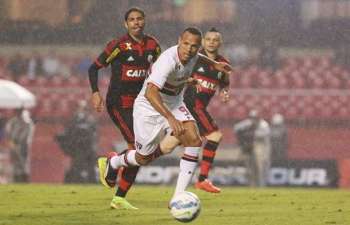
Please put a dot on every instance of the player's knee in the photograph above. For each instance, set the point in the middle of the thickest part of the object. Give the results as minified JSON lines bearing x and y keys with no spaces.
{"x":143,"y":160}
{"x":191,"y":137}
{"x":167,"y":150}
{"x":215,"y":136}
{"x":131,"y":146}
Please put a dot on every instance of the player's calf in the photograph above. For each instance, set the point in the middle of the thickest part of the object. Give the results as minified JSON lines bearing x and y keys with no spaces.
{"x":215,"y":136}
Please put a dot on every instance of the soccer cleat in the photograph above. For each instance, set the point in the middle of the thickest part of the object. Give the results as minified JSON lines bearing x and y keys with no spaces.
{"x":207,"y":186}
{"x":121,"y":203}
{"x":102,"y":165}
{"x":108,"y":176}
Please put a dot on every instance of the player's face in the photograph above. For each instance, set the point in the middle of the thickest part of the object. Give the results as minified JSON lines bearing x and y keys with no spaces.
{"x":212,"y":42}
{"x":189,"y":45}
{"x":135,"y":23}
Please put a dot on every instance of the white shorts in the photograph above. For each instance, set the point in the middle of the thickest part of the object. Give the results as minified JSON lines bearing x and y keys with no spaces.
{"x":151,"y":129}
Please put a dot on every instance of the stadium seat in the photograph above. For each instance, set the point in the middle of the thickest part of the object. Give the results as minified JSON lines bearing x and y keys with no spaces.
{"x":304,"y":87}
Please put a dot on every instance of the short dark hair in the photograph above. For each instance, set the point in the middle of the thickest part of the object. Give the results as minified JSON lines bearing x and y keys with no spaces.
{"x":213,"y":29}
{"x":133,"y":9}
{"x":193,"y":30}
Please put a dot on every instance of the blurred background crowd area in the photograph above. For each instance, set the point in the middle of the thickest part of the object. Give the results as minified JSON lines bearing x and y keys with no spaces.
{"x":290,"y":56}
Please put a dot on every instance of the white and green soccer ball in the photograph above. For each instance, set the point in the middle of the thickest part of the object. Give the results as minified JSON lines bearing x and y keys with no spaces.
{"x":185,"y":206}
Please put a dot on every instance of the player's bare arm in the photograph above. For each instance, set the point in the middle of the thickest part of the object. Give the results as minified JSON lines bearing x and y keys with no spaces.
{"x":153,"y":96}
{"x":191,"y":81}
{"x":224,"y":88}
{"x":96,"y":99}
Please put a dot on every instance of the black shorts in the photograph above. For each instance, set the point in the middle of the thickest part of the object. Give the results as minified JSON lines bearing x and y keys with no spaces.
{"x":205,"y":122}
{"x":122,"y":118}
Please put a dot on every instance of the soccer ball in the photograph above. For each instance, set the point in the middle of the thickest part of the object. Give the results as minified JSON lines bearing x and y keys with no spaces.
{"x":185,"y":206}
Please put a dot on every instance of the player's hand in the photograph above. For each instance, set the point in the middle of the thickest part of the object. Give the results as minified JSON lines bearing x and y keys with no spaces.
{"x":223,"y":67}
{"x":177,"y":126}
{"x":224,"y":95}
{"x":192,"y":81}
{"x":97,"y":101}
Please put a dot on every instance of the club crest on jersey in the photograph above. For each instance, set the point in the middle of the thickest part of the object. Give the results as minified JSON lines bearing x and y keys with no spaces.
{"x":136,"y":73}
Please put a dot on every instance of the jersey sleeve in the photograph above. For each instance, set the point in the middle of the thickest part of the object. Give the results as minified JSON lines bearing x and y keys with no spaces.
{"x":110,"y":52}
{"x":161,"y":70}
{"x":224,"y":80}
{"x":154,"y":44}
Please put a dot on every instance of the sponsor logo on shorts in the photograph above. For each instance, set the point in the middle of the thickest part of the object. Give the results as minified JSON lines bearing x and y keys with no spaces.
{"x":138,"y":145}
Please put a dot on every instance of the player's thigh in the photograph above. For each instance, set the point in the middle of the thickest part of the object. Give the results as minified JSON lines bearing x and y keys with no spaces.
{"x":206,"y":124}
{"x":123,"y":119}
{"x":191,"y":137}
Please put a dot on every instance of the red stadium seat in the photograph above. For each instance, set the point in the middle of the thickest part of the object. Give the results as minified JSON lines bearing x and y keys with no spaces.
{"x":272,"y":92}
{"x":317,"y":83}
{"x":41,"y":81}
{"x":298,"y":82}
{"x":308,"y":112}
{"x":343,"y":112}
{"x":324,"y":62}
{"x":264,"y":80}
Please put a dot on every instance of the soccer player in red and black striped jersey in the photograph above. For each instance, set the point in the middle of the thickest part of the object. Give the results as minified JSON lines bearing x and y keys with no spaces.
{"x":197,"y":99}
{"x":130,"y":58}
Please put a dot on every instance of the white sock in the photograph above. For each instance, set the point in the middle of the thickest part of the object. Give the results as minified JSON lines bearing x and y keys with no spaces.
{"x":131,"y":157}
{"x":120,"y":160}
{"x":188,"y":164}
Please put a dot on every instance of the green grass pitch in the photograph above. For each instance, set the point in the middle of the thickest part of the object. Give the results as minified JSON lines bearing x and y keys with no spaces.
{"x":34,"y":204}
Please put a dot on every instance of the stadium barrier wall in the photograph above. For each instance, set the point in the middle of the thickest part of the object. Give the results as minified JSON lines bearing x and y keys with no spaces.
{"x":291,"y":173}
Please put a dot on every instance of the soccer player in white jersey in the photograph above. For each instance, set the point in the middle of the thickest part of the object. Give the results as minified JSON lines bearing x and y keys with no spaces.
{"x":161,"y":119}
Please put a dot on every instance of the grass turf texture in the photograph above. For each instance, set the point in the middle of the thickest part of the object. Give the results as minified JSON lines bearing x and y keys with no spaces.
{"x":89,"y":204}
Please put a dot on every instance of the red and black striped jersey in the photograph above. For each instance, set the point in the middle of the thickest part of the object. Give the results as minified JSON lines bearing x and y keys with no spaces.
{"x":209,"y":80}
{"x":130,"y":63}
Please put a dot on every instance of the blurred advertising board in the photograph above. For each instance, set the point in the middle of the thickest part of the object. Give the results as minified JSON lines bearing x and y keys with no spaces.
{"x":292,"y":173}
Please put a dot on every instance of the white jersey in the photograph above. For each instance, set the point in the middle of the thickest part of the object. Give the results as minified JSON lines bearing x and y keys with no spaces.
{"x":169,"y":75}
